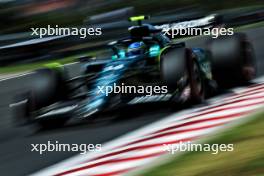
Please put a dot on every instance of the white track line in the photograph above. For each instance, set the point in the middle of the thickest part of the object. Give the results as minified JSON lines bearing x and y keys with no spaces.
{"x":13,"y":76}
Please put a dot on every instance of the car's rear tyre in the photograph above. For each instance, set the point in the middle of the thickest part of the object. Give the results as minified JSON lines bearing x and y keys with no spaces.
{"x":180,"y":71}
{"x":24,"y":114}
{"x":233,"y":60}
{"x":45,"y":88}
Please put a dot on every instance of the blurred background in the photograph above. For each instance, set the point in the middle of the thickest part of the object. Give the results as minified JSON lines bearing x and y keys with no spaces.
{"x":19,"y":16}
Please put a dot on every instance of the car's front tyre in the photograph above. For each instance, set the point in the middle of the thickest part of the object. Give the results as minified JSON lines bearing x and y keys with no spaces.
{"x":181,"y":72}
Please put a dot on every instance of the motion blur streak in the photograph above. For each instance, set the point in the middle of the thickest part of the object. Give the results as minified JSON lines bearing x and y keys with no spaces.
{"x":146,"y":146}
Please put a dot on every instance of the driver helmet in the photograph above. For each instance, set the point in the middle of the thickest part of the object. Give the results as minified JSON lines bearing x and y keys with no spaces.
{"x":136,"y":48}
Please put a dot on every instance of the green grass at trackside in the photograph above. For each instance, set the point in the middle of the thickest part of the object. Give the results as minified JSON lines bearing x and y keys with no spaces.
{"x":32,"y":66}
{"x":35,"y":65}
{"x":247,"y":159}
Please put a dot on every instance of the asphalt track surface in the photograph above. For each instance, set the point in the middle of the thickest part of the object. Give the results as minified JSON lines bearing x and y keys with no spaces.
{"x":15,"y":142}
